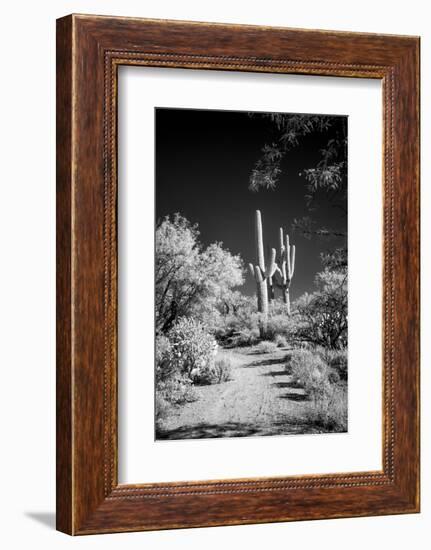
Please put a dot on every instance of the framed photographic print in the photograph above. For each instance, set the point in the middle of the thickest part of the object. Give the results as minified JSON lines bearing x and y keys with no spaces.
{"x":237,"y":274}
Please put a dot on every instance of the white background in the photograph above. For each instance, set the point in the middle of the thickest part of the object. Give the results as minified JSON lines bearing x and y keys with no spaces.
{"x":141,"y":458}
{"x":27,"y":124}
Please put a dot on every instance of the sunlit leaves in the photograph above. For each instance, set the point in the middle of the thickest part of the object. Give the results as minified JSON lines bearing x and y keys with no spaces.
{"x":267,"y":169}
{"x":330,"y":172}
{"x":187,"y":274}
{"x":324,"y":312}
{"x":335,"y":260}
{"x":309,"y":228}
{"x":324,"y":177}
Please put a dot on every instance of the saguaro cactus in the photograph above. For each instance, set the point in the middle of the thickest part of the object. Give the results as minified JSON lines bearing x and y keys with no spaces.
{"x":287,"y":262}
{"x":271,"y":291}
{"x":262,"y":273}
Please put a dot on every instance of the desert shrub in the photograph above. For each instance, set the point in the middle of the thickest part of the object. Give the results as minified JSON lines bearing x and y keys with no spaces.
{"x":165,"y":368}
{"x":333,"y":377}
{"x":192,"y":348}
{"x":216,"y":373}
{"x":223,"y":367}
{"x":243,"y":321}
{"x":329,"y":398}
{"x":242,"y":327}
{"x":280,"y":341}
{"x":162,"y":408}
{"x":163,"y":348}
{"x":266,"y":347}
{"x":235,"y":310}
{"x":177,"y":390}
{"x":173,"y":388}
{"x":250,"y":336}
{"x":330,"y":412}
{"x":204,"y":376}
{"x":231,"y":326}
{"x":187,"y":357}
{"x":303,"y":345}
{"x":214,"y":321}
{"x":307,"y":368}
{"x":245,"y":337}
{"x":337,"y":359}
{"x":280,"y":322}
{"x":170,"y":393}
{"x":323,"y":314}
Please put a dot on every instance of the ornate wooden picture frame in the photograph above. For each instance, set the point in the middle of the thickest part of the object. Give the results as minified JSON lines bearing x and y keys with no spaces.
{"x":89,"y":51}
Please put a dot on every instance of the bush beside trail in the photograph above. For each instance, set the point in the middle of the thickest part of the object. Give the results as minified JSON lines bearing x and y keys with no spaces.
{"x":323,"y":385}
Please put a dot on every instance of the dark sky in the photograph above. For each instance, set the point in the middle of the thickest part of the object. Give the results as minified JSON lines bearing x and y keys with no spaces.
{"x":203,"y":164}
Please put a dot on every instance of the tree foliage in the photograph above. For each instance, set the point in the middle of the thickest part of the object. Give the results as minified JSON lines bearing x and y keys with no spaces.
{"x":335,"y":260}
{"x":324,"y":182}
{"x":323,"y":313}
{"x":331,"y":170}
{"x":188,"y":276}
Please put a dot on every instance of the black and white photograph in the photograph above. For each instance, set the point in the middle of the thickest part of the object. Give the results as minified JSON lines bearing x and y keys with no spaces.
{"x":250,"y":274}
{"x":214,"y":235}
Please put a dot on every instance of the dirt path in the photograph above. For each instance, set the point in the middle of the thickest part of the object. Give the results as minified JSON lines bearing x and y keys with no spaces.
{"x":260,"y":400}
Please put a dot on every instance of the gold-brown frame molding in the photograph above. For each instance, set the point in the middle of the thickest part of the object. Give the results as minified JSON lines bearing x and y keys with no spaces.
{"x":89,"y":51}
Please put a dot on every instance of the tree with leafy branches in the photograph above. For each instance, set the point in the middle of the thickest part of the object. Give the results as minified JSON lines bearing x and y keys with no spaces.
{"x":190,"y":277}
{"x":322,"y":314}
{"x":325,"y":181}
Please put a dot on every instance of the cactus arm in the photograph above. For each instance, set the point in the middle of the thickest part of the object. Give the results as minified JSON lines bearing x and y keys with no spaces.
{"x":251,"y":269}
{"x":287,"y":253}
{"x":272,"y":265}
{"x":278,"y":271}
{"x":258,"y":274}
{"x":293,"y":262}
{"x":283,"y":271}
{"x":281,"y":243}
{"x":259,"y":241}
